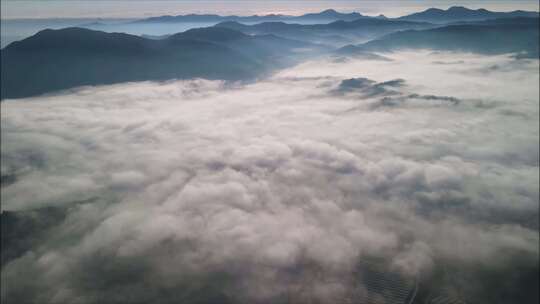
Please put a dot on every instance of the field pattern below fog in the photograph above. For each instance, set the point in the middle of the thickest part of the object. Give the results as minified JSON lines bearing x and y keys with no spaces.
{"x":426,"y":156}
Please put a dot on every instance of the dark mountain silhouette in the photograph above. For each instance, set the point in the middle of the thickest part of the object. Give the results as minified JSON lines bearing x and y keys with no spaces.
{"x":328,"y":15}
{"x":331,"y":15}
{"x":61,"y":59}
{"x":517,"y":35}
{"x":262,"y":48}
{"x":459,"y":13}
{"x":334,"y":33}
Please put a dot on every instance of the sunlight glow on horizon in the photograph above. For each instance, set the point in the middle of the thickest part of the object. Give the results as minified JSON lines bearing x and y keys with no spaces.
{"x":141,"y":9}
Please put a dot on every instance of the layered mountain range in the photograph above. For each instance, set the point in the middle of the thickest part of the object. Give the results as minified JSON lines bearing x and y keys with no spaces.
{"x":328,"y":15}
{"x":334,"y":33}
{"x":499,"y":36}
{"x":432,"y":15}
{"x":53,"y":60}
{"x":460,"y":13}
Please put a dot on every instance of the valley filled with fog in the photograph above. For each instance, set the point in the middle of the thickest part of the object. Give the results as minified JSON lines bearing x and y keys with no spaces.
{"x":276,"y":190}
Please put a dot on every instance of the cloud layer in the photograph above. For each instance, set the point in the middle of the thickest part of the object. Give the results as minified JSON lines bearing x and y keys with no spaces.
{"x":274,"y":191}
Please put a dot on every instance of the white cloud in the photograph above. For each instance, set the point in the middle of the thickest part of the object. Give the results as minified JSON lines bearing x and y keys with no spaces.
{"x":271,"y":182}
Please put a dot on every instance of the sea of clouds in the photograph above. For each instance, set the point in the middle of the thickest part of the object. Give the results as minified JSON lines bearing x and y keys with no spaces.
{"x":274,"y":190}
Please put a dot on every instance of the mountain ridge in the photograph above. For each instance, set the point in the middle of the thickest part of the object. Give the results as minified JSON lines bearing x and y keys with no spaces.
{"x":499,"y":36}
{"x":53,"y":60}
{"x":325,"y":15}
{"x":460,"y":13}
{"x":432,"y":15}
{"x":338,"y":32}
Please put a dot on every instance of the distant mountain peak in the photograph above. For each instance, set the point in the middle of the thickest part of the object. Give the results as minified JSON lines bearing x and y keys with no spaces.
{"x":458,"y":9}
{"x":332,"y":13}
{"x":461,"y":13}
{"x":329,"y":11}
{"x":64,"y":33}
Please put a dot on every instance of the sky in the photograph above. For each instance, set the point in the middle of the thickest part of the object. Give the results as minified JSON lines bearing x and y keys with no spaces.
{"x":12,"y":9}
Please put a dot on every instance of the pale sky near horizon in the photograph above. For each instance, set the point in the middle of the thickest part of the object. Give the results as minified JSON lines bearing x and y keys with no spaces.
{"x":12,"y":9}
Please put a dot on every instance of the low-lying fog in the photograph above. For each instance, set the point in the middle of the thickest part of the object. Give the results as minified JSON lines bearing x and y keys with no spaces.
{"x":276,"y":189}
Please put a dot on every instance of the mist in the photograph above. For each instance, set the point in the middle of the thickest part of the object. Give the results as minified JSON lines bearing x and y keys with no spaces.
{"x":274,"y":192}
